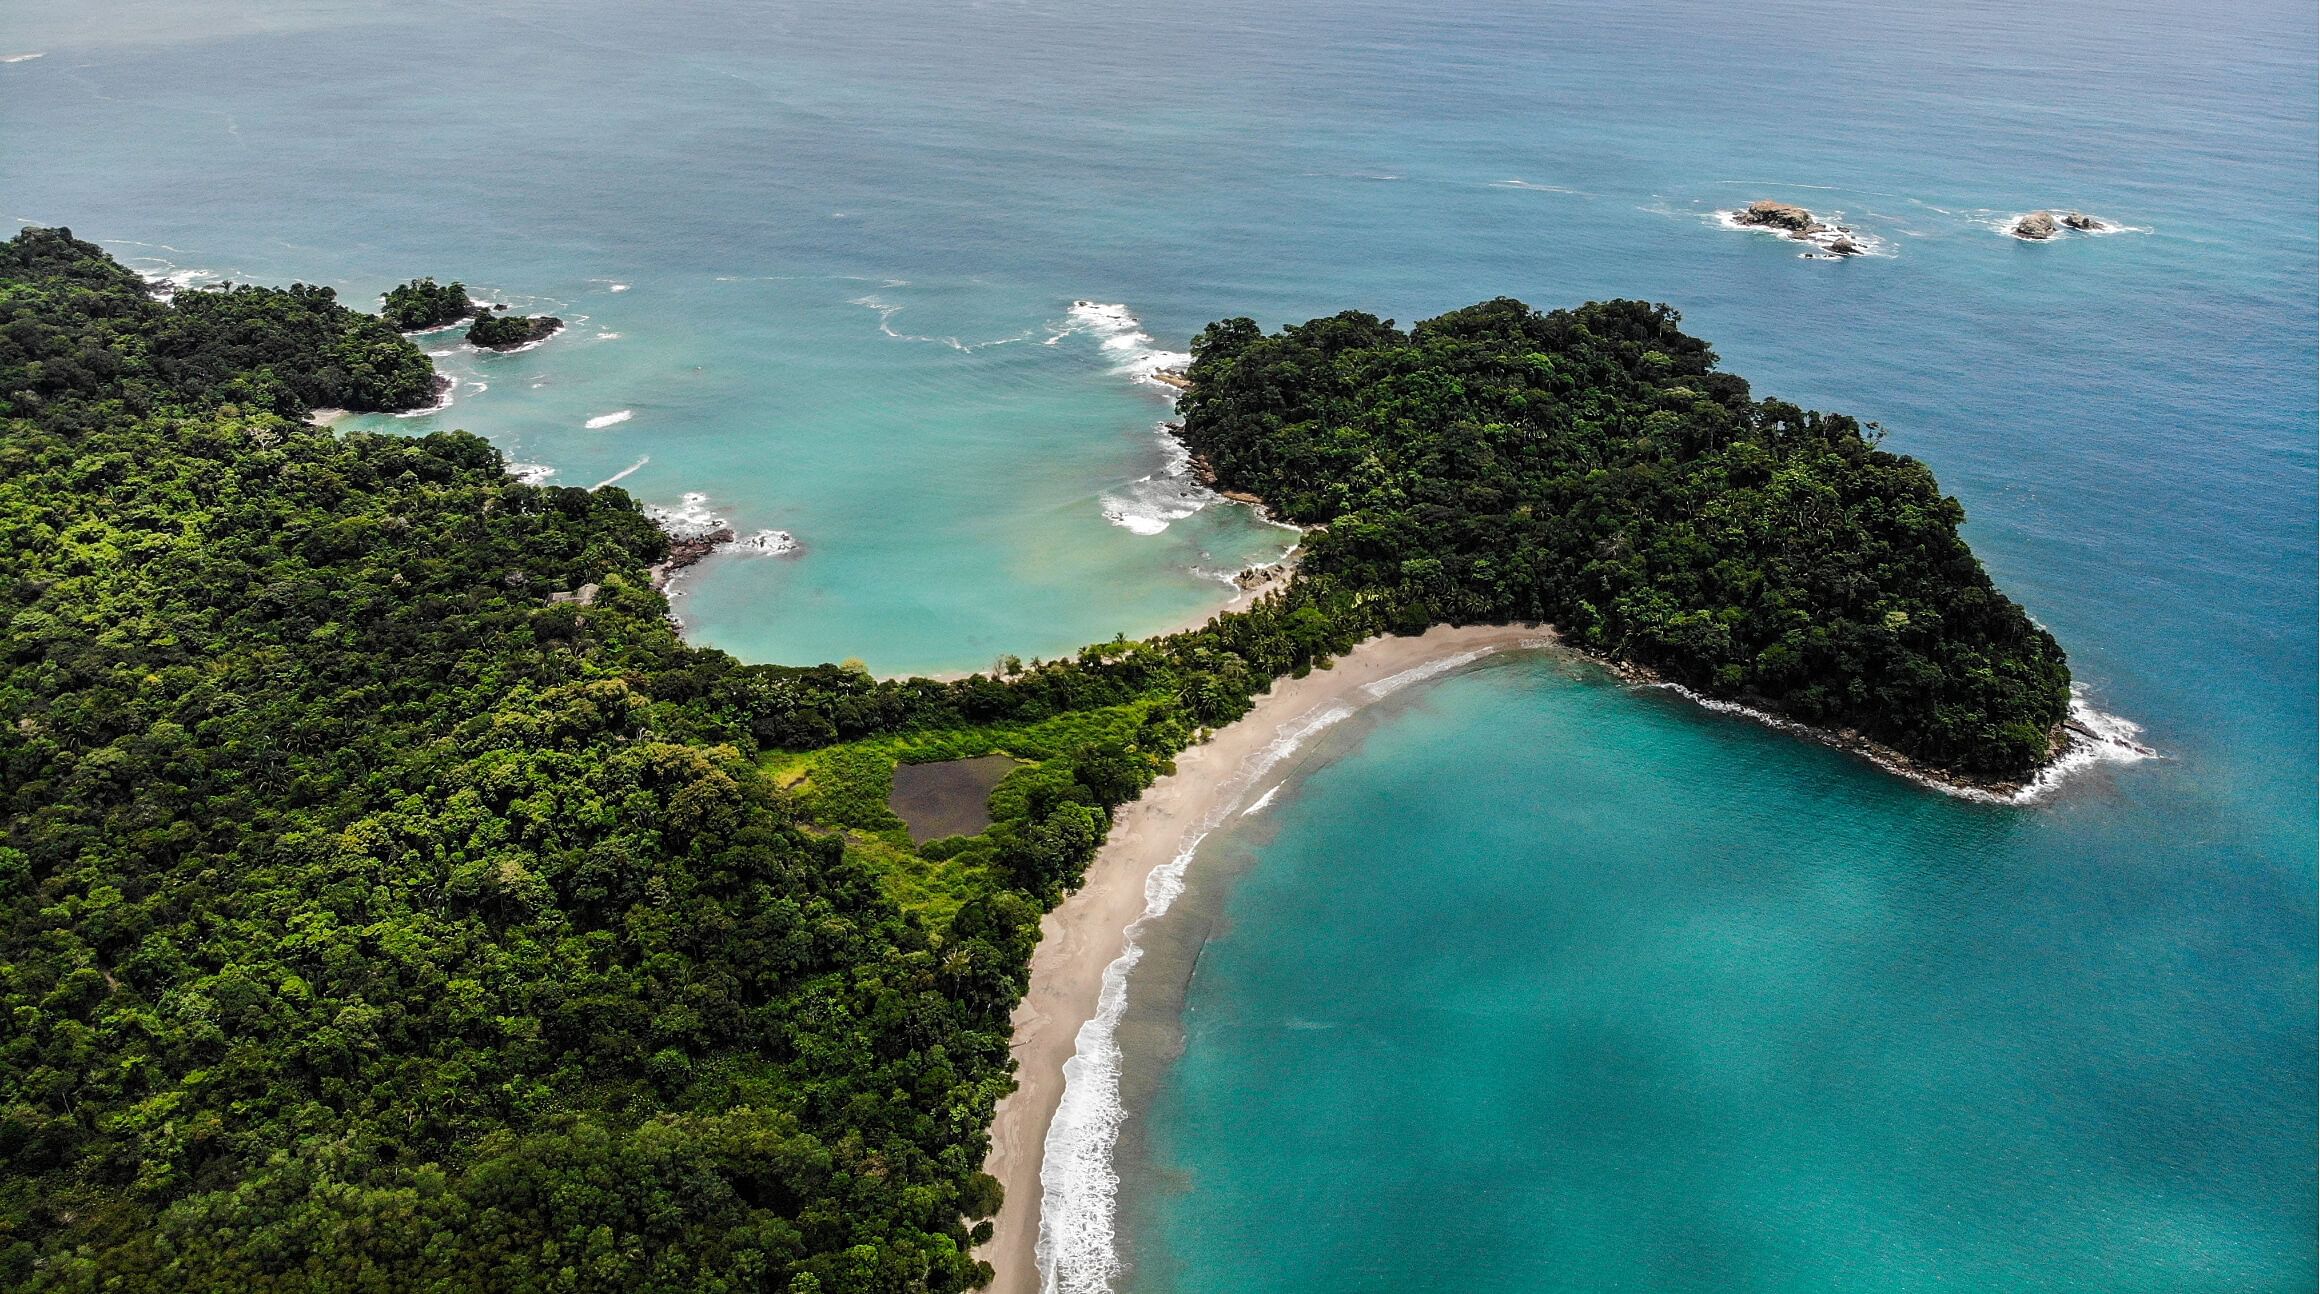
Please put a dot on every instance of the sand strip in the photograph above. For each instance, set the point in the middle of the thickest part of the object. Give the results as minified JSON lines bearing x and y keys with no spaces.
{"x":1084,"y":935}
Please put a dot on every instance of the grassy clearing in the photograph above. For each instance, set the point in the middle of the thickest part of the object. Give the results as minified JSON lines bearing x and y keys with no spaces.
{"x":848,"y":786}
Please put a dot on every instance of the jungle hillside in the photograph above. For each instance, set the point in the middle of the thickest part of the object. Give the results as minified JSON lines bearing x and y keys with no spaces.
{"x":376,"y":914}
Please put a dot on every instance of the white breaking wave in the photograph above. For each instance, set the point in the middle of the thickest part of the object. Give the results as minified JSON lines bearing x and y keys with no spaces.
{"x":608,"y":336}
{"x":18,"y":58}
{"x":531,"y":473}
{"x":2094,"y":737}
{"x":1147,"y":505}
{"x":2004,"y":223}
{"x":693,"y":518}
{"x":603,"y":420}
{"x":1262,"y":801}
{"x":1386,"y":687}
{"x":623,"y":473}
{"x":690,"y":519}
{"x":773,"y":543}
{"x":1534,"y":188}
{"x":170,"y":279}
{"x":1078,"y":1187}
{"x":888,"y":309}
{"x":1124,"y":341}
{"x":1822,"y":240}
{"x":1151,"y":503}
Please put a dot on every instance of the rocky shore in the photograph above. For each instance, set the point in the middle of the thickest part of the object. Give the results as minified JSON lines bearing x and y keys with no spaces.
{"x":688,"y":550}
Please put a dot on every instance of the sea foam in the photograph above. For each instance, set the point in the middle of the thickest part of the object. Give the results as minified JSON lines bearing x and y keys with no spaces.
{"x":1079,"y":1187}
{"x":2092,"y":737}
{"x":1147,"y":505}
{"x":603,"y":420}
{"x":768,"y":543}
{"x":888,"y":309}
{"x":1150,"y":503}
{"x":623,"y":473}
{"x":1121,"y":335}
{"x":694,"y":518}
{"x":1819,"y":241}
{"x":1393,"y":683}
{"x":691,"y":518}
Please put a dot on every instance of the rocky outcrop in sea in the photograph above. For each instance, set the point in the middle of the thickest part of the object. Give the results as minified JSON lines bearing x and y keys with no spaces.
{"x":2038,"y":226}
{"x":1797,"y":223}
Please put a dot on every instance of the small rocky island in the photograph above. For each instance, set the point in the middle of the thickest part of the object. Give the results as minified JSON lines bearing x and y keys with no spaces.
{"x":1795,"y":222}
{"x":423,"y":305}
{"x":507,"y":332}
{"x":2039,"y":226}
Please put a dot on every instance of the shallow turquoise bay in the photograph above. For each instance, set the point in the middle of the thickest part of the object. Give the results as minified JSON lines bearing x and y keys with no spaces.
{"x":1535,"y":982}
{"x":1540,"y":982}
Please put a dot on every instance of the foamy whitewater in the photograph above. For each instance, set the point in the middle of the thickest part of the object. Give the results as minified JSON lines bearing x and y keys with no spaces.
{"x":1079,"y":1184}
{"x":693,"y":518}
{"x":2091,"y":737}
{"x":1393,"y":683}
{"x":1123,"y":339}
{"x":1820,"y":241}
{"x":1150,"y":503}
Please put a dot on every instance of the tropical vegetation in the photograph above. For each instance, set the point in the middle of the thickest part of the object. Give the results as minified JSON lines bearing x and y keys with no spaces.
{"x":373,"y":918}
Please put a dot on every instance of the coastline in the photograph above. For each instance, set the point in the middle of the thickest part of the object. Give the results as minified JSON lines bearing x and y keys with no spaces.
{"x":1091,"y":930}
{"x":2086,"y":736}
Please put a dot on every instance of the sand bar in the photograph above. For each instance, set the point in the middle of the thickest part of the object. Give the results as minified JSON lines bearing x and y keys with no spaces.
{"x":1088,"y":931}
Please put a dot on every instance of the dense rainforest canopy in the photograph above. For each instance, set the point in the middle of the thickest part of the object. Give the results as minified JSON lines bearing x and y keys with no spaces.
{"x":372,"y":919}
{"x":423,"y":303}
{"x":1592,"y":468}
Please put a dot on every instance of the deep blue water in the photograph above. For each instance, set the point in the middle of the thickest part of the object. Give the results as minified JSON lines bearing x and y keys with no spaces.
{"x":2076,"y":1040}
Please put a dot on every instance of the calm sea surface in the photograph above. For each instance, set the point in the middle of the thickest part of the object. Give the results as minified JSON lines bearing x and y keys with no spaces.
{"x":1534,"y":982}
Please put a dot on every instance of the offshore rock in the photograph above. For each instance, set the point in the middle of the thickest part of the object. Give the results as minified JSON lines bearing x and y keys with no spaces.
{"x":2038,"y":226}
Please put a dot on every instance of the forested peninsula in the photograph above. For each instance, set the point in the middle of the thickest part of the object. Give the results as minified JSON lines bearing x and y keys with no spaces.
{"x":376,"y":919}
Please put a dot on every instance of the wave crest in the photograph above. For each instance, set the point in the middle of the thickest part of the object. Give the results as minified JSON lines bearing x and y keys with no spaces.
{"x":1150,"y":503}
{"x":1078,"y":1185}
{"x":1122,"y":337}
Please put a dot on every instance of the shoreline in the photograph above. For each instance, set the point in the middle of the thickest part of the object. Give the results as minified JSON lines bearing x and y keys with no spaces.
{"x":1088,"y":943}
{"x":1090,"y":931}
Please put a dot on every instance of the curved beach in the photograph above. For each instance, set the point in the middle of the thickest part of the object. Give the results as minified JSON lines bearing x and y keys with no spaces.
{"x":1090,"y":930}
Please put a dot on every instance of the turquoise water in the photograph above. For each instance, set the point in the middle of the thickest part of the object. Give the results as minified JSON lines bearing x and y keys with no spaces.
{"x":1546,"y":983}
{"x":1739,"y":1013}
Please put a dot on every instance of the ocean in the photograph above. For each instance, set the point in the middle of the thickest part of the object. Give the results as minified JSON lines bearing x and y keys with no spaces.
{"x":1527,"y":980}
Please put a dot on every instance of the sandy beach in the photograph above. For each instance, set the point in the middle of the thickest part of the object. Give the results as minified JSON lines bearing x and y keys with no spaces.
{"x":1083,"y":936}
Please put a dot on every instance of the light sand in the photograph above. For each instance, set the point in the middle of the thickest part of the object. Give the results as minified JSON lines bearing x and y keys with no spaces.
{"x":1080,"y":938}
